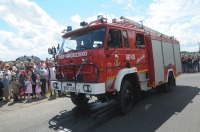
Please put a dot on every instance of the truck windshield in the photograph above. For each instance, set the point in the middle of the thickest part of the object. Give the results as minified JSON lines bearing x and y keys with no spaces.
{"x":86,"y":40}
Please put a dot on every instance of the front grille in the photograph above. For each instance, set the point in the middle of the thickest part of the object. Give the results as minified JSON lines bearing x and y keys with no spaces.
{"x":77,"y":73}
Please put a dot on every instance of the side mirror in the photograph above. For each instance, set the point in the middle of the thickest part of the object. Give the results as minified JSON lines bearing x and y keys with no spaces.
{"x":50,"y":51}
{"x":54,"y":50}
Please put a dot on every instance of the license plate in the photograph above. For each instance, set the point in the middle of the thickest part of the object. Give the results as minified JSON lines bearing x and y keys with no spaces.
{"x":68,"y":88}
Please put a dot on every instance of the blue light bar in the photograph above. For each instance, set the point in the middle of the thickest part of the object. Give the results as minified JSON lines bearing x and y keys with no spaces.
{"x":69,"y":28}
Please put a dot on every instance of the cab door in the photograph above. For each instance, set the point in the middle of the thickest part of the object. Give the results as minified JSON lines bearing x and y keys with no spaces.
{"x":115,"y":55}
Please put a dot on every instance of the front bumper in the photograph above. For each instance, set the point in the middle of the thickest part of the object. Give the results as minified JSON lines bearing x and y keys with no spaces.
{"x":87,"y":88}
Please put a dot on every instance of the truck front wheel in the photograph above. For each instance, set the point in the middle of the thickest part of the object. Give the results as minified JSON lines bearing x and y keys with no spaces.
{"x":125,"y":97}
{"x":80,"y":99}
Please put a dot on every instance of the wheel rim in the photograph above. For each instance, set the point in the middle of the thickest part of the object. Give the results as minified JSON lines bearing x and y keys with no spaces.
{"x":128,"y":98}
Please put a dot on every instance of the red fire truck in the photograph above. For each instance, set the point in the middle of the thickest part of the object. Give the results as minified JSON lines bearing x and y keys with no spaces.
{"x":115,"y":61}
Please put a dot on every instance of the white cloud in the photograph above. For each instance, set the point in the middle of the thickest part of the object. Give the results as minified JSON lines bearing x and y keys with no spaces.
{"x":103,"y":5}
{"x":176,"y":18}
{"x":37,"y":31}
{"x":119,"y":1}
{"x":76,"y":18}
{"x":129,"y":5}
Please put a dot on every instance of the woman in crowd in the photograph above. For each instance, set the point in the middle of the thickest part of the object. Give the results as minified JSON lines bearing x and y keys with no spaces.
{"x":6,"y":82}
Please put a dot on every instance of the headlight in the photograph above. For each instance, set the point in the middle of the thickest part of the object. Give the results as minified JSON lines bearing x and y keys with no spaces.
{"x":87,"y":88}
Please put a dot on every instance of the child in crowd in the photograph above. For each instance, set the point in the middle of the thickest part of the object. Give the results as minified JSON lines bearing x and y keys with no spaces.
{"x":14,"y":83}
{"x":38,"y":86}
{"x":29,"y":90}
{"x":22,"y":90}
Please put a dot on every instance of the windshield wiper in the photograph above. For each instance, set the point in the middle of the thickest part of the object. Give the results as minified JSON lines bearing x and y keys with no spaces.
{"x":70,"y":48}
{"x":82,"y":47}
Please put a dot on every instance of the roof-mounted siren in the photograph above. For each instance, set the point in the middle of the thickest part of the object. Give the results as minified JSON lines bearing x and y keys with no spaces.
{"x":69,"y":28}
{"x":101,"y":19}
{"x":83,"y":24}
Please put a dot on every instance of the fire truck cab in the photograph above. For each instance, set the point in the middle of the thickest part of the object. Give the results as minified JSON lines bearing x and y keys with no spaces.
{"x":115,"y":61}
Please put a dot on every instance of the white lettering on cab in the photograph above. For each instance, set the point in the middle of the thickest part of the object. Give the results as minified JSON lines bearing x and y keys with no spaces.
{"x":75,"y":55}
{"x":130,"y":56}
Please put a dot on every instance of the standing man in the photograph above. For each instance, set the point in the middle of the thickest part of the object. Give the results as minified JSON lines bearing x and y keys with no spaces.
{"x":43,"y":75}
{"x":51,"y":75}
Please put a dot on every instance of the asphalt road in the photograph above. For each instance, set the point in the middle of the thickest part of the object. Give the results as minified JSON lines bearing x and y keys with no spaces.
{"x":177,"y":111}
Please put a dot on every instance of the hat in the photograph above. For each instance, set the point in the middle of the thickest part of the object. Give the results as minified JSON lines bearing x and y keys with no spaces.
{"x":23,"y":72}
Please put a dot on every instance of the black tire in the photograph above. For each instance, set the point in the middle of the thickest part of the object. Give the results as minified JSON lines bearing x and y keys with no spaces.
{"x":125,"y":97}
{"x":168,"y":86}
{"x":79,"y":100}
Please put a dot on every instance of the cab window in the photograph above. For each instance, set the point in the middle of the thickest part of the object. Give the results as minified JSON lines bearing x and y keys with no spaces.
{"x":114,"y":39}
{"x":140,"y":41}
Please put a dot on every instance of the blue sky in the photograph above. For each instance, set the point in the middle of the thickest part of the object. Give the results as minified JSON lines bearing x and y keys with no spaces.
{"x":30,"y":27}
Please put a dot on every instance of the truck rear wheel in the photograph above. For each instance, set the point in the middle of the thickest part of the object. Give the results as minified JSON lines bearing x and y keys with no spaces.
{"x":80,"y":99}
{"x":125,"y":97}
{"x":168,"y":86}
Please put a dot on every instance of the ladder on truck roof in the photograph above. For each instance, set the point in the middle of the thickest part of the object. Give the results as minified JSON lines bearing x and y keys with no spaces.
{"x":147,"y":29}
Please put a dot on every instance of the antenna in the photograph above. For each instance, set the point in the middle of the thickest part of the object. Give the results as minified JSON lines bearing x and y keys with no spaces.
{"x":142,"y":24}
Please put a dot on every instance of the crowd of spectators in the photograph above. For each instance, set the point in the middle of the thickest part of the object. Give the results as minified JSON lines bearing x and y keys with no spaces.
{"x":25,"y":81}
{"x":190,"y":62}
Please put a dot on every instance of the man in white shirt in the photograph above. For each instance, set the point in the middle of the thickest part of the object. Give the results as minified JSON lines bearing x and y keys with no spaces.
{"x":51,"y":75}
